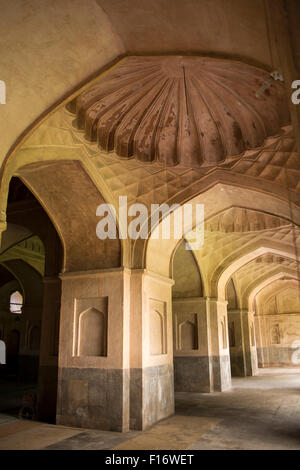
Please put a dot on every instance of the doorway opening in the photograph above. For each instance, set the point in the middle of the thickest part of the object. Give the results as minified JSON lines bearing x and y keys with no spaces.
{"x":30,"y":291}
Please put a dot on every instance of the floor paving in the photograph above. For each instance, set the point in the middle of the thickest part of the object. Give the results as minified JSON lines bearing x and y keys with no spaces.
{"x":261,"y":412}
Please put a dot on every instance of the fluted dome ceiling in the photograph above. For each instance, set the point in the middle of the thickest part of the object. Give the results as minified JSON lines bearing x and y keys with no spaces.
{"x":192,"y":111}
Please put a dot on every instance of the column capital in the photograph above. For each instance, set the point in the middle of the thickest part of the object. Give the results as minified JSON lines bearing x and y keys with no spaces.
{"x":190,"y":300}
{"x":93,"y":273}
{"x":154,"y":275}
{"x":216,"y":300}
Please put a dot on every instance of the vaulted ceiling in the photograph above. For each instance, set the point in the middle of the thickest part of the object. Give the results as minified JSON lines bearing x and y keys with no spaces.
{"x":137,"y":131}
{"x":184,"y":111}
{"x":50,"y":48}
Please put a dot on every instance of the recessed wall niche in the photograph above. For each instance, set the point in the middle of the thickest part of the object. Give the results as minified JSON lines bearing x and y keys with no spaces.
{"x":158,"y":327}
{"x":275,"y":334}
{"x":90,"y":327}
{"x":186,"y":330}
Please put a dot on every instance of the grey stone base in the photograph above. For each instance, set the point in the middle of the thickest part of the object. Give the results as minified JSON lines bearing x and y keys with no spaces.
{"x":202,"y":374}
{"x":254,"y":364}
{"x":238,"y":368}
{"x":276,"y":357}
{"x":237,"y":365}
{"x":94,"y":398}
{"x":221,"y":373}
{"x":151,"y":395}
{"x":192,"y":374}
{"x":47,"y":393}
{"x":260,"y":358}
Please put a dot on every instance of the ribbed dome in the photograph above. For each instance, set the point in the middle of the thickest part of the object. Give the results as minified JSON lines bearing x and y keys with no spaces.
{"x":191,"y":111}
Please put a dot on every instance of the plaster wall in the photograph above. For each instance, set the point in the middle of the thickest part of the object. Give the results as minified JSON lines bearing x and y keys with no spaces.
{"x":151,"y":349}
{"x":201,"y":348}
{"x":278,"y":335}
{"x":93,"y":391}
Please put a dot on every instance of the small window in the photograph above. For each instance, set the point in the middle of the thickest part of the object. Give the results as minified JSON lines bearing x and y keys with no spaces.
{"x":16,"y":302}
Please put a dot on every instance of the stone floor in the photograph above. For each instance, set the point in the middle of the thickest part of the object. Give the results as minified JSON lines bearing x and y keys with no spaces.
{"x":11,"y":392}
{"x":261,"y":412}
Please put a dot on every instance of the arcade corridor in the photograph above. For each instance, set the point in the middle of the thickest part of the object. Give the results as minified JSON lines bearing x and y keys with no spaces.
{"x":260,"y":412}
{"x":150,"y":224}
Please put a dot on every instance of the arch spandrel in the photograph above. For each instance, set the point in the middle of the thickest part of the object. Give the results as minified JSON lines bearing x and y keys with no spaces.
{"x":217,"y":200}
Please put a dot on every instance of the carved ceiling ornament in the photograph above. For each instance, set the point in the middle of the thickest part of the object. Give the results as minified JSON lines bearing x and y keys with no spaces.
{"x":240,"y":220}
{"x":187,"y":111}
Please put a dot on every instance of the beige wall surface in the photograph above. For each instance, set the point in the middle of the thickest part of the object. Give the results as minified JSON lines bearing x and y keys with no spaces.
{"x":47,"y":48}
{"x":278,"y":322}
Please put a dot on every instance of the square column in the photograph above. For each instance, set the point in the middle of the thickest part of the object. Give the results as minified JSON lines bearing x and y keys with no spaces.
{"x":263,"y":356}
{"x":151,"y":349}
{"x":93,"y":378}
{"x":243,"y":355}
{"x":192,"y":363}
{"x":201,"y":353}
{"x":249,"y":341}
{"x":219,"y":345}
{"x":48,"y":365}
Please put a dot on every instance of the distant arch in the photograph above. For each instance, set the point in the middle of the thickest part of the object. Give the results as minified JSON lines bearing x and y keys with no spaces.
{"x":16,"y":302}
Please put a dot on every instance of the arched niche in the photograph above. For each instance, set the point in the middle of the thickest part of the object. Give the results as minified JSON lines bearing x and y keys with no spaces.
{"x":157,"y":319}
{"x":92,"y":333}
{"x":188,"y":336}
{"x":275,"y":334}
